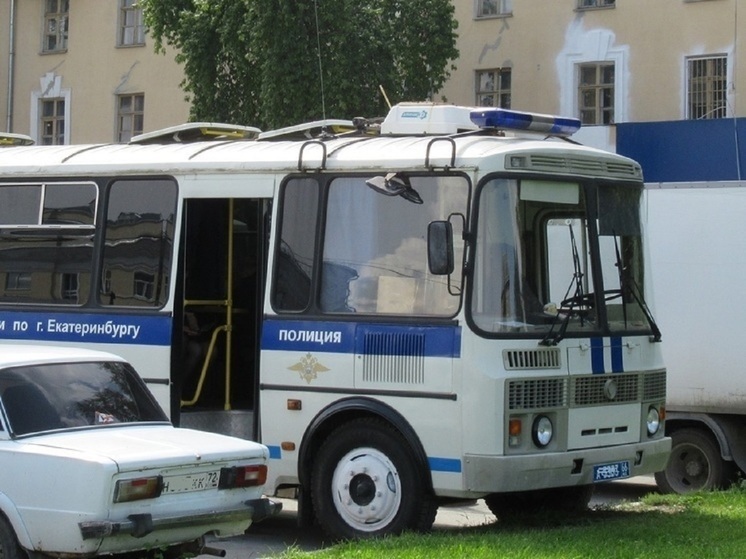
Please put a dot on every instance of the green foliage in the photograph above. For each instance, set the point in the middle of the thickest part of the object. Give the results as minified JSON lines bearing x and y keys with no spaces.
{"x":682,"y":526}
{"x":272,"y":63}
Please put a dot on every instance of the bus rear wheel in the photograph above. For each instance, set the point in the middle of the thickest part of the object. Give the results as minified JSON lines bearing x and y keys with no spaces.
{"x":365,"y":483}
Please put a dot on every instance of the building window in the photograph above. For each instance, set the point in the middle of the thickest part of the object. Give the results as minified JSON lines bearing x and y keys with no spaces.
{"x":490,"y":8}
{"x":144,"y":286}
{"x":493,"y":88}
{"x":596,"y":93}
{"x":707,"y":80}
{"x":131,"y":25}
{"x":52,"y":122}
{"x":586,"y":4}
{"x":130,"y":116}
{"x":18,"y":281}
{"x":69,"y":287}
{"x":56,"y":18}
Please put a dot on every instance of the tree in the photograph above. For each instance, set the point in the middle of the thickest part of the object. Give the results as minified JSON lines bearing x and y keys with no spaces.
{"x":272,"y":63}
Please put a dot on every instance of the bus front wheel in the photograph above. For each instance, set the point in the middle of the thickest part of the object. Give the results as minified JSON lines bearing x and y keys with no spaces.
{"x":365,"y":483}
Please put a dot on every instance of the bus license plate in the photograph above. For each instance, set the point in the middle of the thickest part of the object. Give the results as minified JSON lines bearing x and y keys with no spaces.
{"x":191,"y":482}
{"x":615,"y":470}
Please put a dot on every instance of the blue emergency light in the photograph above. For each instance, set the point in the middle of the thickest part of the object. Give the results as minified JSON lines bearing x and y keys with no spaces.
{"x":532,"y":122}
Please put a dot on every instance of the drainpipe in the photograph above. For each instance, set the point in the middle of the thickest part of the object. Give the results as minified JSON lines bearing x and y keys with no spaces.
{"x":11,"y":64}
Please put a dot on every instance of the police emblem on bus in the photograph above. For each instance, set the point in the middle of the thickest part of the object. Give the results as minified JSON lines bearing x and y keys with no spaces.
{"x":309,"y":368}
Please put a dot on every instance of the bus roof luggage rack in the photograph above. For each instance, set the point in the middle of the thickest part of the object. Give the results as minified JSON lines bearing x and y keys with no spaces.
{"x":310,"y":130}
{"x":196,"y":132}
{"x":8,"y":139}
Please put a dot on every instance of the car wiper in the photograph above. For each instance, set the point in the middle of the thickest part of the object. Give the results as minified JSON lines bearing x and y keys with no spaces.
{"x":569,"y":303}
{"x":628,"y":286}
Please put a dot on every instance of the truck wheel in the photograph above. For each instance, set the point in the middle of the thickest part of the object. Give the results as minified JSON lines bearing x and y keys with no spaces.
{"x":365,"y":483}
{"x":9,"y":547}
{"x":694,"y":465}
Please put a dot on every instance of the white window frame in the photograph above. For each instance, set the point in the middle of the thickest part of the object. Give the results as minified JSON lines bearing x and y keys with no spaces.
{"x":597,"y":87}
{"x":122,"y":134}
{"x":60,"y":20}
{"x":496,"y":92}
{"x":595,"y":4}
{"x":595,"y":46}
{"x":710,"y":114}
{"x":485,"y":9}
{"x":50,"y":87}
{"x":131,"y":25}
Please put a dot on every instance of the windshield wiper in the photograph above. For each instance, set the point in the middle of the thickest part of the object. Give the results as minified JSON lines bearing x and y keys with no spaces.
{"x":628,"y":286}
{"x":569,"y":303}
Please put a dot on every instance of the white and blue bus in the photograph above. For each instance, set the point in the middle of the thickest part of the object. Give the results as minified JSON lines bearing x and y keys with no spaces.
{"x":433,"y":308}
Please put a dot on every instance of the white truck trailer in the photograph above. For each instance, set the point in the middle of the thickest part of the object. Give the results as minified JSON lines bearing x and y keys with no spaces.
{"x":697,"y":235}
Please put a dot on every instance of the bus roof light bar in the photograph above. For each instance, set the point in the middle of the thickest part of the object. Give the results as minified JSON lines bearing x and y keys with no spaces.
{"x":531,"y":122}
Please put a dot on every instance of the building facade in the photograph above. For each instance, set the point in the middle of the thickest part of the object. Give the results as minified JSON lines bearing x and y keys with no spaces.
{"x":84,"y":71}
{"x":604,"y":61}
{"x":656,"y":80}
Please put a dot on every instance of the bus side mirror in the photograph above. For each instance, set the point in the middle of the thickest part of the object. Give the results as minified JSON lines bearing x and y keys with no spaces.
{"x":440,"y":248}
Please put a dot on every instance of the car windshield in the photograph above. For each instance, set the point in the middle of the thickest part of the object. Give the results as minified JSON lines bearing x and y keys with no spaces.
{"x":55,"y":396}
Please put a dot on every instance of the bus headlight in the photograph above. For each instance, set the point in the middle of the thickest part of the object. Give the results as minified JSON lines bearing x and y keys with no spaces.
{"x":653,"y":421}
{"x":542,"y":431}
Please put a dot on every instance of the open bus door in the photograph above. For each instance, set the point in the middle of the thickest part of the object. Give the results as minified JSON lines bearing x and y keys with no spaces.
{"x":217,"y":320}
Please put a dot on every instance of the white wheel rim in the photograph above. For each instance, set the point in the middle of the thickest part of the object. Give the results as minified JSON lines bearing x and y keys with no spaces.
{"x":366,"y":489}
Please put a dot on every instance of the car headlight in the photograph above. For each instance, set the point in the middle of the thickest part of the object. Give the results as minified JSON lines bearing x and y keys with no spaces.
{"x":542,"y":431}
{"x":653,"y":420}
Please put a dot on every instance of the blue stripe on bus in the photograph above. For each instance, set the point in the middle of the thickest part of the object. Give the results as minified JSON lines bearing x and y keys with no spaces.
{"x":451,"y":465}
{"x":86,"y":327}
{"x":361,"y":338}
{"x":617,"y":360}
{"x":597,"y":355}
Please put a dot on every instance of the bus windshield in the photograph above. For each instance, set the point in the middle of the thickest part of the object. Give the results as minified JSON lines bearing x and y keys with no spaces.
{"x":557,"y":258}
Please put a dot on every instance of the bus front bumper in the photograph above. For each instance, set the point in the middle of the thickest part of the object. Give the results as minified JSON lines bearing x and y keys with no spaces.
{"x":496,"y":474}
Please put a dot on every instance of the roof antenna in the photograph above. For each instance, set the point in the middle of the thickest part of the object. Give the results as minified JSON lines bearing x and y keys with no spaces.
{"x":385,"y":97}
{"x":318,"y":51}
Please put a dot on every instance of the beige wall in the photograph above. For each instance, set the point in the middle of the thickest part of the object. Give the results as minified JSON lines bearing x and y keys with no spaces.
{"x":541,"y":41}
{"x":649,"y":40}
{"x":93,"y":71}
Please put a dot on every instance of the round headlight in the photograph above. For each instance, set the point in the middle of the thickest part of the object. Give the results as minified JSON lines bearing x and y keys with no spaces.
{"x":542,"y":431}
{"x":653,"y":421}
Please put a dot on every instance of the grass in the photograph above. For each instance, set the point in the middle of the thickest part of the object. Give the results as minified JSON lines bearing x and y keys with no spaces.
{"x":705,"y":525}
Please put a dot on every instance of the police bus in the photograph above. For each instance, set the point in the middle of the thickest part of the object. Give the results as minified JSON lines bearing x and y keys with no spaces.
{"x":448,"y":304}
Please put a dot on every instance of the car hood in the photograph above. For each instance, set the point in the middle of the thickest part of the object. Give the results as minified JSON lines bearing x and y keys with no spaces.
{"x":134,"y":447}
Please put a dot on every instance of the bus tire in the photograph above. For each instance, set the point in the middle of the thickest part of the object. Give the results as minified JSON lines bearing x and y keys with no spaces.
{"x":695,"y":464}
{"x":9,"y":546}
{"x":365,"y":483}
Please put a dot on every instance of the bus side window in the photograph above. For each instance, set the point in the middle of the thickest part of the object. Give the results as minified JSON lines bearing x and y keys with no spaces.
{"x":291,"y":288}
{"x":139,"y":242}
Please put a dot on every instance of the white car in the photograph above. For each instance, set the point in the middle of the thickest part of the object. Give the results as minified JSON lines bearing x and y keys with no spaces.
{"x":90,"y":464}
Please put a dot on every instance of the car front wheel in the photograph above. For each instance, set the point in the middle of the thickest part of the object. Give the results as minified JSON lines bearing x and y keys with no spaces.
{"x":9,"y":547}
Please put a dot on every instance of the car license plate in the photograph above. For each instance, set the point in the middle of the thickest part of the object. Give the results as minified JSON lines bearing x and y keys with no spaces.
{"x":607,"y":472}
{"x":190,"y":482}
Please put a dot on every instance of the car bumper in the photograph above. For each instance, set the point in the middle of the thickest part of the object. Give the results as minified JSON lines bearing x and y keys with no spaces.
{"x":140,"y":525}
